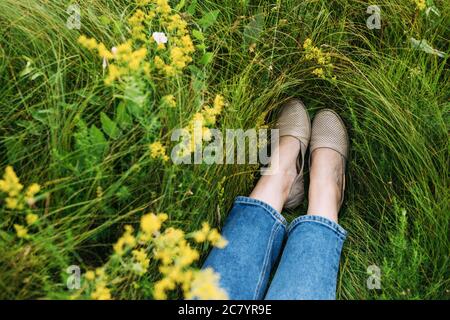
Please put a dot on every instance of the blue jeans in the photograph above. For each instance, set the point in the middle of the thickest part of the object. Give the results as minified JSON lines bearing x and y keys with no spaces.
{"x":256,"y":233}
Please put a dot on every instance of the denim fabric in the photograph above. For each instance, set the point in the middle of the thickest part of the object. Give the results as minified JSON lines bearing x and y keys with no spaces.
{"x":310,"y":262}
{"x":256,"y":232}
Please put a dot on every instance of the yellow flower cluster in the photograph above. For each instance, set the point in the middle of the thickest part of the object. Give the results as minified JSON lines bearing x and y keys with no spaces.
{"x":126,"y":60}
{"x":31,"y":218}
{"x":203,"y":120}
{"x":204,"y":286}
{"x":10,"y":183}
{"x":158,"y":151}
{"x":323,"y":59}
{"x":142,"y":261}
{"x":136,"y":22}
{"x":212,"y":235}
{"x":101,"y":291}
{"x":150,"y":225}
{"x":169,"y":100}
{"x":16,"y":198}
{"x":21,"y":231}
{"x":182,"y":46}
{"x":126,"y":240}
{"x":132,"y":56}
{"x":175,"y":255}
{"x":420,"y":4}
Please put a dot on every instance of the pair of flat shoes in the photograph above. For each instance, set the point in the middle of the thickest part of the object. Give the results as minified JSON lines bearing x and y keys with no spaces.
{"x":326,"y":131}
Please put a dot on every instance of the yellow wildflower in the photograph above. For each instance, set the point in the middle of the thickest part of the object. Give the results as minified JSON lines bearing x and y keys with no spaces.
{"x":159,"y":63}
{"x":21,"y":231}
{"x":157,"y":150}
{"x":101,"y":292}
{"x":177,"y":23}
{"x":205,"y":286}
{"x":10,"y":183}
{"x":178,"y":58}
{"x":323,"y":59}
{"x":212,"y":235}
{"x":188,"y":46}
{"x":100,"y":272}
{"x":170,"y":71}
{"x":127,"y":239}
{"x":113,"y":74}
{"x":88,"y":43}
{"x":31,"y":218}
{"x":103,"y":52}
{"x":32,"y":190}
{"x":13,"y":203}
{"x":201,"y":235}
{"x":187,"y":255}
{"x":169,"y":100}
{"x":163,"y":7}
{"x":136,"y":58}
{"x":141,"y":258}
{"x":161,"y":287}
{"x":142,"y":3}
{"x":420,"y":4}
{"x":318,"y":72}
{"x":219,"y":103}
{"x":124,"y":49}
{"x":89,"y":275}
{"x":307,"y":44}
{"x":216,"y":239}
{"x":150,"y":223}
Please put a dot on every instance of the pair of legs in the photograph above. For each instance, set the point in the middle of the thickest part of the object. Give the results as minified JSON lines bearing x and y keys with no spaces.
{"x":257,"y":233}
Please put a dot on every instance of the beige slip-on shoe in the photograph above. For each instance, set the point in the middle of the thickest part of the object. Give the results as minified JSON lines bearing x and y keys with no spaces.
{"x":328,"y":131}
{"x":294,"y":121}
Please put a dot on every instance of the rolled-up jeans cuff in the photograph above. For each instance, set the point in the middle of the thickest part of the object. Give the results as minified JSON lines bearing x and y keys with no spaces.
{"x":267,"y":208}
{"x":327,"y":223}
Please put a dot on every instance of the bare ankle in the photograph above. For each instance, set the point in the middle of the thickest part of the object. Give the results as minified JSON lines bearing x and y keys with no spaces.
{"x":325,"y":184}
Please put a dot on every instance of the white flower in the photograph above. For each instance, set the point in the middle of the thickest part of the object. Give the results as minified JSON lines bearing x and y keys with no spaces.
{"x":159,"y":37}
{"x":105,"y":63}
{"x":114,"y":50}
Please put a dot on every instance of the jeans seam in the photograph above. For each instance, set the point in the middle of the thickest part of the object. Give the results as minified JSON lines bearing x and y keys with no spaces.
{"x":266,"y":259}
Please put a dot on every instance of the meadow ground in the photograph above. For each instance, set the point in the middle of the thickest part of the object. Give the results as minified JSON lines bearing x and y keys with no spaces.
{"x":82,"y":131}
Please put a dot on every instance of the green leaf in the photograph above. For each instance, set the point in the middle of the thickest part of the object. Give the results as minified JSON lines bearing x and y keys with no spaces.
{"x":192,"y":7}
{"x":253,"y":30}
{"x":198,"y":35}
{"x":96,"y":135}
{"x":207,"y":58}
{"x":36,"y":75}
{"x":180,"y":5}
{"x":28,"y":69}
{"x":201,"y":47}
{"x":123,"y":118}
{"x":135,"y":99}
{"x":109,"y":126}
{"x":208,"y":19}
{"x":98,"y":141}
{"x":105,"y":20}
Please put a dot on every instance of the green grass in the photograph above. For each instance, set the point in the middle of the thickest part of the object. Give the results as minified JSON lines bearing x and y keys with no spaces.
{"x":394,"y":99}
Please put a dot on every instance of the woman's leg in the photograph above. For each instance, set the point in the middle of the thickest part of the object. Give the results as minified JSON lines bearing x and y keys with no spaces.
{"x":309,"y":265}
{"x":255,"y":230}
